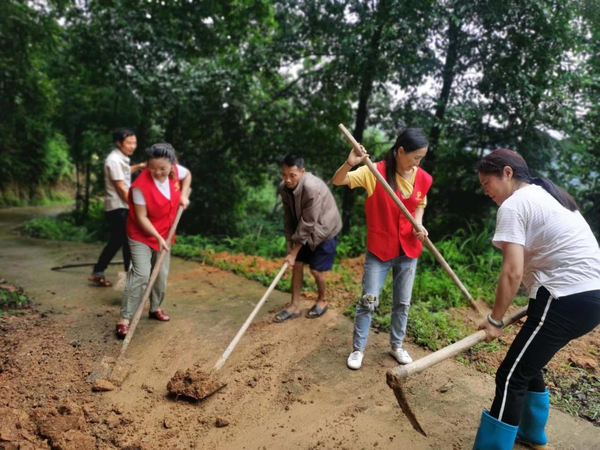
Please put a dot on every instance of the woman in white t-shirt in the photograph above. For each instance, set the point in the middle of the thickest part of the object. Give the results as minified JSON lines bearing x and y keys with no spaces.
{"x":154,"y":199}
{"x":546,"y":244}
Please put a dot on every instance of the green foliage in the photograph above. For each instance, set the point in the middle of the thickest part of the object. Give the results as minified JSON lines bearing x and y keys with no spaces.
{"x":27,"y":95}
{"x":432,"y":328}
{"x":70,"y":226}
{"x":352,"y":244}
{"x":15,"y":194}
{"x":578,"y":394}
{"x":56,"y":229}
{"x":12,"y":300}
{"x":265,"y":246}
{"x":56,"y":163}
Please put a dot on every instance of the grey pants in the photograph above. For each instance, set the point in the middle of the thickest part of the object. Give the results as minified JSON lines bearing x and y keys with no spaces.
{"x":143,"y":258}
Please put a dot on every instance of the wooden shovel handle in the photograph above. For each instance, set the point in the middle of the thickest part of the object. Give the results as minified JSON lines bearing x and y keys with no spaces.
{"x":150,"y":285}
{"x":248,"y":321}
{"x":427,"y":242}
{"x":403,"y":372}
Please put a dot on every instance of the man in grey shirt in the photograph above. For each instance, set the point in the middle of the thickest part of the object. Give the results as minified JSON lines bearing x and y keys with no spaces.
{"x":117,"y":180}
{"x":312,"y":222}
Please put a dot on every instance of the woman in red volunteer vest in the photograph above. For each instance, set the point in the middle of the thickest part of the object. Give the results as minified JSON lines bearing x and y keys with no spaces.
{"x":391,"y":241}
{"x":153,"y":202}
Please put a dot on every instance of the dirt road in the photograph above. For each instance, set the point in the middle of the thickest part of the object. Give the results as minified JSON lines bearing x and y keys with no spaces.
{"x":288,"y":385}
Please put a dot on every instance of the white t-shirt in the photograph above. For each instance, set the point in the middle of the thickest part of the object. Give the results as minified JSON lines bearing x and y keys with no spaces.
{"x":116,"y":168}
{"x":138,"y":197}
{"x":561,"y":252}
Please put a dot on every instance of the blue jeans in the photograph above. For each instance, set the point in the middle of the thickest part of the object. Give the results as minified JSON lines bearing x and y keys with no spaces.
{"x":376,"y":270}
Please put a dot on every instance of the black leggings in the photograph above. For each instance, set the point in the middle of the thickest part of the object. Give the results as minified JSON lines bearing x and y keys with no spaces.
{"x":118,"y":238}
{"x":551,"y":324}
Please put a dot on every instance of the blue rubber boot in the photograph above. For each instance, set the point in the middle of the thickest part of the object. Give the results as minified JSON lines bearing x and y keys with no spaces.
{"x":494,"y":434}
{"x":533,"y":420}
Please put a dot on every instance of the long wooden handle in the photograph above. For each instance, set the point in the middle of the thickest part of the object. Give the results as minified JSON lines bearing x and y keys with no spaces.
{"x":438,"y":256}
{"x":419,"y":365}
{"x":69,"y":266}
{"x":150,"y":285}
{"x":240,"y":333}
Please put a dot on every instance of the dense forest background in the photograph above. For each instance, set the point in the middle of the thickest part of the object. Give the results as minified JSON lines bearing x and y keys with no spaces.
{"x":236,"y":85}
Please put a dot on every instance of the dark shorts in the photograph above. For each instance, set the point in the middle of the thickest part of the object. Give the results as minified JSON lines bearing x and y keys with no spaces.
{"x":322,"y":258}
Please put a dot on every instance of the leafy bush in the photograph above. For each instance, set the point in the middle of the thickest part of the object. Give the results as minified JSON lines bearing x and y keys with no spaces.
{"x":71,"y":226}
{"x":56,"y":229}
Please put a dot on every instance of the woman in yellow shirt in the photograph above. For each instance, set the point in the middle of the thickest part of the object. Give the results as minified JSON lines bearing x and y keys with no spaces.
{"x":391,"y":241}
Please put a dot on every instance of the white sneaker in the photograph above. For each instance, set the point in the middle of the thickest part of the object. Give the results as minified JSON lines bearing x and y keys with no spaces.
{"x":355,"y":360}
{"x":401,"y":355}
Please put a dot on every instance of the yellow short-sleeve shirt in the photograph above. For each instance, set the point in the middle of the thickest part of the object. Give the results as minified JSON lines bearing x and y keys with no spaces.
{"x":363,"y":177}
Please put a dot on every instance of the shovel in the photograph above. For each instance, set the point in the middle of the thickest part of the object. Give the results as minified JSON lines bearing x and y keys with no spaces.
{"x":411,"y":219}
{"x":115,"y":370}
{"x":199,"y":385}
{"x":397,"y":376}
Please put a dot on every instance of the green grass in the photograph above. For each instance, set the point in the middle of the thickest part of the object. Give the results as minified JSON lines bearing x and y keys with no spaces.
{"x":11,"y":195}
{"x":577,"y":393}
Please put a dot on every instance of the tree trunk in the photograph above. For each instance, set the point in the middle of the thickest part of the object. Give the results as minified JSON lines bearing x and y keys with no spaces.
{"x":366,"y":88}
{"x":77,"y":186}
{"x":448,"y":75}
{"x":86,"y":201}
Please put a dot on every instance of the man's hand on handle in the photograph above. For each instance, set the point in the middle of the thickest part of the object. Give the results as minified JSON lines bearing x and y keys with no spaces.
{"x":290,"y":259}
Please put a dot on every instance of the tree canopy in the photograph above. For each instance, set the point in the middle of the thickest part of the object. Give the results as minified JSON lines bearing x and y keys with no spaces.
{"x":236,"y":85}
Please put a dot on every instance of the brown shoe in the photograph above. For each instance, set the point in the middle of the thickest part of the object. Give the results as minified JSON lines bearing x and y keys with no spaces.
{"x":159,"y":315}
{"x":99,"y":280}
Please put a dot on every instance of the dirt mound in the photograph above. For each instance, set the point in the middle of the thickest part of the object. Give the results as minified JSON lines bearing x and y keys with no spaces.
{"x":193,"y":383}
{"x":16,"y":427}
{"x":53,"y":422}
{"x":45,"y":401}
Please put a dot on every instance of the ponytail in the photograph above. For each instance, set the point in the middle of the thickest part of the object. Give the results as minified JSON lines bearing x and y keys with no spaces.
{"x":561,"y":196}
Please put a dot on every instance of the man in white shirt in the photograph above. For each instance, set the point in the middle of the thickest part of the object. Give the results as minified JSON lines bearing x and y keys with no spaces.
{"x":117,"y":180}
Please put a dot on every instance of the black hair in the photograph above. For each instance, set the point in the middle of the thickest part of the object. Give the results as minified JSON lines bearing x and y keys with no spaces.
{"x":496,"y":161}
{"x":410,"y":139}
{"x":120,"y":134}
{"x":293,"y":160}
{"x":162,"y":150}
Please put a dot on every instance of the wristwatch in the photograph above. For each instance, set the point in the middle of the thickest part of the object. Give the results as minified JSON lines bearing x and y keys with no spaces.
{"x":496,"y":323}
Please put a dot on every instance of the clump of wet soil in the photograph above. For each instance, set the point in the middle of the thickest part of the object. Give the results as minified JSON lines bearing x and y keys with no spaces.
{"x":193,"y":383}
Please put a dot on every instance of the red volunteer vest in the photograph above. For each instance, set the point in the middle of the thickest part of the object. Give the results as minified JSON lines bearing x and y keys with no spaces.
{"x":388,"y":230}
{"x":161,"y":211}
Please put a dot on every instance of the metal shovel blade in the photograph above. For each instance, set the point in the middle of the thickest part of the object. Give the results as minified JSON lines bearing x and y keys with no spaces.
{"x":194,"y":384}
{"x":114,"y":370}
{"x":397,"y":386}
